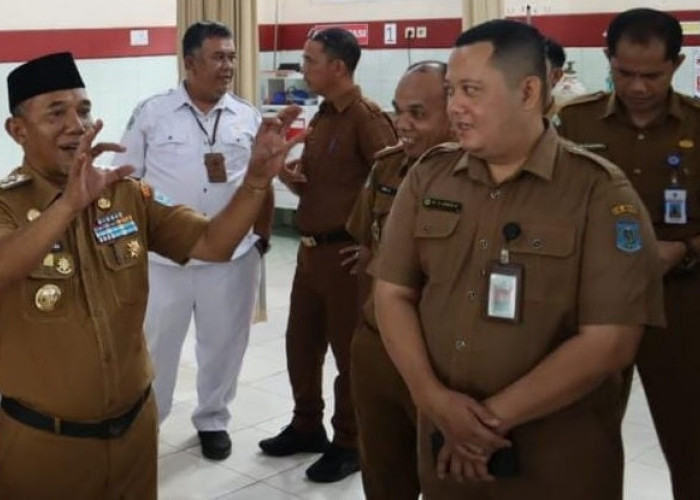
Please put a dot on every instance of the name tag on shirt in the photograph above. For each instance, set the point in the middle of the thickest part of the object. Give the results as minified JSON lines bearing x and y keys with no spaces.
{"x":675,"y":206}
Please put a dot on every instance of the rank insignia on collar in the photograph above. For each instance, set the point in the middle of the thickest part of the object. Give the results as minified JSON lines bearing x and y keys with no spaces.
{"x":133,"y":249}
{"x":628,"y":237}
{"x":686,"y":143}
{"x":387,"y":190}
{"x":442,"y":205}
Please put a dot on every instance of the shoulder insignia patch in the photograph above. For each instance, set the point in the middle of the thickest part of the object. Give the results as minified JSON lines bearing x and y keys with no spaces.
{"x":388,"y":151}
{"x":581,"y":150}
{"x":14,"y":180}
{"x":628,"y":238}
{"x":162,"y":199}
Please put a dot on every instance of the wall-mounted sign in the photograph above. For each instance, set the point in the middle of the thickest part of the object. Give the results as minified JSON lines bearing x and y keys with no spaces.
{"x":360,"y":30}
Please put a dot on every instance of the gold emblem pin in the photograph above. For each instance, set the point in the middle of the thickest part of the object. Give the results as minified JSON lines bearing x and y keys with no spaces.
{"x":133,"y":249}
{"x":47,"y":298}
{"x":104,"y":204}
{"x":686,"y":143}
{"x":48,"y":260}
{"x":64,"y":265}
{"x":33,"y":214}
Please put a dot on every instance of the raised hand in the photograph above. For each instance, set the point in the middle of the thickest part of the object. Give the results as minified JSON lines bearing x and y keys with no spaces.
{"x":271,"y":145}
{"x":85,"y":180}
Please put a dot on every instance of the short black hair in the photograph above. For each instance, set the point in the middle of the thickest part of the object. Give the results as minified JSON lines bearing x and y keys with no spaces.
{"x":641,"y":26}
{"x":339,"y":44}
{"x":518,"y":48}
{"x":200,"y":31}
{"x":554,"y":53}
{"x":428,"y":65}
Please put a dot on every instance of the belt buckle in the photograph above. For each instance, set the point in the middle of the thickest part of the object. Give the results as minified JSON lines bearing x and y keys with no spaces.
{"x":309,"y":241}
{"x":116,"y":428}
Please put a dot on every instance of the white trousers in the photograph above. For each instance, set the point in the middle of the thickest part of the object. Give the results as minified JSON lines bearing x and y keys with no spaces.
{"x":221,"y":296}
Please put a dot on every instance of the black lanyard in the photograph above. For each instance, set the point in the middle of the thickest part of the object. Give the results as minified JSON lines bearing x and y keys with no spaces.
{"x":210,"y":140}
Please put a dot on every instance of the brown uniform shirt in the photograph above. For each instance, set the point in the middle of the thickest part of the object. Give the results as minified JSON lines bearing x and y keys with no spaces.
{"x":597,"y":123}
{"x":337,"y":158}
{"x":86,"y":358}
{"x":573,"y":209}
{"x":373,"y":205}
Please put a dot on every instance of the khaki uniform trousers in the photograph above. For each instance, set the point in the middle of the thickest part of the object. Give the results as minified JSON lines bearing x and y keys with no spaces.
{"x":386,"y":420}
{"x":38,"y":465}
{"x":323,"y":311}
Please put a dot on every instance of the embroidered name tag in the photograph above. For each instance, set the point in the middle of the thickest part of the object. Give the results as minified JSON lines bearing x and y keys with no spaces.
{"x":388,"y":190}
{"x":442,"y":205}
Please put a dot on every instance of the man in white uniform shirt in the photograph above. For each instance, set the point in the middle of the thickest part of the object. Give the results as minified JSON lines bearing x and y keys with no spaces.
{"x":193,"y":144}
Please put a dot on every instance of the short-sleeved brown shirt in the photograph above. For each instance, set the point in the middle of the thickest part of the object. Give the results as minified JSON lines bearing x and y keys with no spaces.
{"x":597,"y":123}
{"x":86,"y":358}
{"x":373,"y":205}
{"x":573,"y":209}
{"x":337,"y":158}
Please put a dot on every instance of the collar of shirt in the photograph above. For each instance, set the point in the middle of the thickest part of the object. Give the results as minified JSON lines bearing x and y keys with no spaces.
{"x":181,"y":98}
{"x":46,"y":191}
{"x":540,"y":162}
{"x":613,"y":107}
{"x":342,"y":102}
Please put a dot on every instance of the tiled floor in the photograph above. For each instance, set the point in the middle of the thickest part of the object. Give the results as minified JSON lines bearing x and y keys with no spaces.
{"x":263,"y":406}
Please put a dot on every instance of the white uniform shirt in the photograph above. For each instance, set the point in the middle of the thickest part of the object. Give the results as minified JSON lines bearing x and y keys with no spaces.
{"x":166,"y":147}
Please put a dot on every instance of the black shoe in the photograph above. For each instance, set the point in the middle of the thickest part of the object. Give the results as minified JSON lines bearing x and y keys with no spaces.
{"x":336,"y":463}
{"x":291,"y":441}
{"x":216,"y":445}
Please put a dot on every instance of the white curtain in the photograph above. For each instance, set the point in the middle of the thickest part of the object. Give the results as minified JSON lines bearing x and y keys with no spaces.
{"x":242,"y":17}
{"x":478,"y":11}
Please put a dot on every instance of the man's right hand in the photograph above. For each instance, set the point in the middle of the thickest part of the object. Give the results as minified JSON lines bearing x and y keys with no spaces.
{"x":466,"y":424}
{"x":85,"y":180}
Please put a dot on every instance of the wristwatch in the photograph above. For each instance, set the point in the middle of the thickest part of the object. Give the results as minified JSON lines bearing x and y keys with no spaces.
{"x":263,"y":246}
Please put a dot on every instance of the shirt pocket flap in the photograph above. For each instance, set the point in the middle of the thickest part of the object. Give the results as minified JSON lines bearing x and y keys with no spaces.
{"x":556,"y":239}
{"x":435,"y":224}
{"x":170,"y":135}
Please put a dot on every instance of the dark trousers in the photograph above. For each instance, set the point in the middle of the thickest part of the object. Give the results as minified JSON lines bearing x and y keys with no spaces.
{"x":386,"y":420}
{"x":39,"y":465}
{"x":323,"y":311}
{"x":669,"y":367}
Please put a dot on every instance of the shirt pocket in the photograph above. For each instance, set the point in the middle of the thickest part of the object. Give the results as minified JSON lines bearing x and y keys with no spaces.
{"x":236,"y":147}
{"x":169,"y":144}
{"x":49,"y":295}
{"x":125,"y":262}
{"x":546,"y":251}
{"x":433,"y":230}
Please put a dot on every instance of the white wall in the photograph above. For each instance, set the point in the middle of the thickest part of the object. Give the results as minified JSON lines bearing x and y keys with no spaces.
{"x":518,"y":7}
{"x":61,"y":14}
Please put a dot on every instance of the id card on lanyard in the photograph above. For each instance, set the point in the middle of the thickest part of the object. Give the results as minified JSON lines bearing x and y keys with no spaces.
{"x":675,"y":196}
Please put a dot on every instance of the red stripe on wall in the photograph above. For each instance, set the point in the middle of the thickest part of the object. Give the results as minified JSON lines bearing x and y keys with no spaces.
{"x":85,"y":43}
{"x":441,"y":34}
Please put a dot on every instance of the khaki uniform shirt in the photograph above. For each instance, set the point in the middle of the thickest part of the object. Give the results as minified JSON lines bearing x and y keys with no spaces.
{"x":373,"y":205}
{"x":337,"y":158}
{"x":597,"y":123}
{"x":85,"y":358}
{"x":572,"y":207}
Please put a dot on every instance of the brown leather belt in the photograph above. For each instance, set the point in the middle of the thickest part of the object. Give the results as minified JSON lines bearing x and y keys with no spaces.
{"x":107,"y":429}
{"x":313,"y":240}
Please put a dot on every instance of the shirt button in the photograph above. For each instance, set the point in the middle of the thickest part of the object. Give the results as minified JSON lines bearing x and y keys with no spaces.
{"x":483,"y":273}
{"x":471,"y":295}
{"x":637,"y":171}
{"x":641,"y":137}
{"x":537,"y":243}
{"x":483,"y":244}
{"x":427,"y":228}
{"x":495,"y":194}
{"x":205,"y":190}
{"x":460,"y":345}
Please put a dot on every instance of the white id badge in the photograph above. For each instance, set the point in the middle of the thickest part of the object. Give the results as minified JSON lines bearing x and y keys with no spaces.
{"x":675,"y":206}
{"x":504,"y":292}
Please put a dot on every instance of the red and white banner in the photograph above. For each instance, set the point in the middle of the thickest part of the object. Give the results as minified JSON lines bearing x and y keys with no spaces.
{"x":360,"y":30}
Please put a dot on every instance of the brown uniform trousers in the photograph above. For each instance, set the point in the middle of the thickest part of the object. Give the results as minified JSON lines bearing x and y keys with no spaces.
{"x":669,"y":359}
{"x":324,"y":305}
{"x":386,"y":415}
{"x":586,"y":258}
{"x":83,"y":357}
